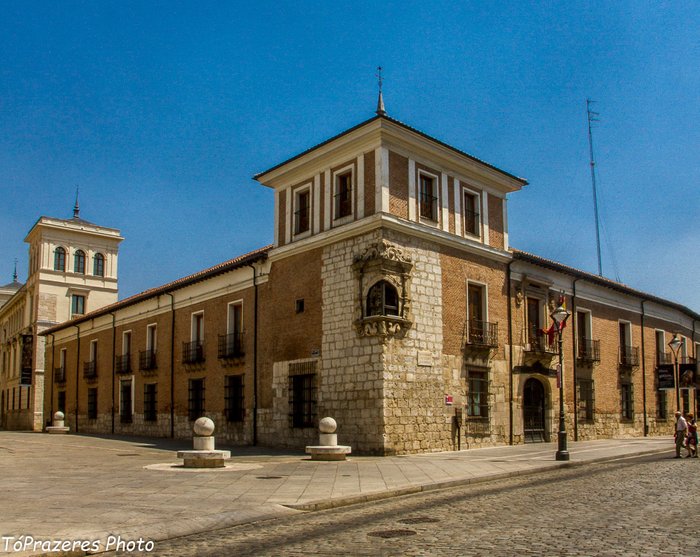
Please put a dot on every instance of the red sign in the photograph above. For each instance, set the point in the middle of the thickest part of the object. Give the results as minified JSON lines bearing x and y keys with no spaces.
{"x":448,"y":400}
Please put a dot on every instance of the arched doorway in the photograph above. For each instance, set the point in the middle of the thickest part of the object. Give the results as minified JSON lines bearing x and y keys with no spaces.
{"x":533,"y":411}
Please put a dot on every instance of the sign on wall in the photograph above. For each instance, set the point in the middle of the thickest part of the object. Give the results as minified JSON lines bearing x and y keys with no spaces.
{"x":686,"y":372}
{"x":25,"y":377}
{"x":664,"y":374}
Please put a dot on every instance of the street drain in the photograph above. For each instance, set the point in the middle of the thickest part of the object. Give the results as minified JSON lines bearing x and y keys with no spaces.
{"x":128,"y":454}
{"x":269,"y":477}
{"x":419,"y":520}
{"x":392,"y":533}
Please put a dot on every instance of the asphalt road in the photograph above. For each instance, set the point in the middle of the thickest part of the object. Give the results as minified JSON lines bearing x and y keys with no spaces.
{"x":645,"y":506}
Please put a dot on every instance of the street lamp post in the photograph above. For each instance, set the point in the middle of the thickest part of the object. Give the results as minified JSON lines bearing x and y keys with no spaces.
{"x":559,"y":316}
{"x":675,"y":345}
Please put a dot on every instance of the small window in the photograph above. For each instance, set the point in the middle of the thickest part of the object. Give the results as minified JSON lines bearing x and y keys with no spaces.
{"x":98,"y":267}
{"x":478,"y":395}
{"x":428,"y":198}
{"x":79,"y":262}
{"x":302,"y":213}
{"x":150,"y":402}
{"x":196,"y":399}
{"x":627,"y":395}
{"x":61,"y":401}
{"x":233,"y":398}
{"x":343,"y":195}
{"x":661,"y":405}
{"x":92,"y":403}
{"x":586,"y":398}
{"x":125,"y":402}
{"x":77,"y":305}
{"x":471,"y":213}
{"x":59,"y":259}
{"x":299,"y":306}
{"x":382,"y":299}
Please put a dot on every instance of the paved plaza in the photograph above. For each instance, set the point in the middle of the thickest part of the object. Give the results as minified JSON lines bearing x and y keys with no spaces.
{"x":79,"y":487}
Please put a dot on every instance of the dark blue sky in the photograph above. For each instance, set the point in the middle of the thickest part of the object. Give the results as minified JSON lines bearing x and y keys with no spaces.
{"x":162,"y":112}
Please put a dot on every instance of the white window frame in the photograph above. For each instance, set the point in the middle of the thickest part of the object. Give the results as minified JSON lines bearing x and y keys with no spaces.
{"x":296,"y":192}
{"x":485,"y":299}
{"x":479,"y":234}
{"x":93,"y":350}
{"x":437,"y":186}
{"x":230,"y":314}
{"x":628,"y":331}
{"x":151,"y":340}
{"x":348,"y":169}
{"x":133,"y":385}
{"x":193,"y":321}
{"x":126,"y":335}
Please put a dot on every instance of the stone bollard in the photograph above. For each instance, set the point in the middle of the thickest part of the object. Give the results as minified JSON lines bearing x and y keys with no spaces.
{"x":58,"y":424}
{"x":204,"y":454}
{"x":328,"y":448}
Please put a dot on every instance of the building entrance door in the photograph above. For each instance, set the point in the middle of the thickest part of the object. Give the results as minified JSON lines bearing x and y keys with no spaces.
{"x":533,"y":411}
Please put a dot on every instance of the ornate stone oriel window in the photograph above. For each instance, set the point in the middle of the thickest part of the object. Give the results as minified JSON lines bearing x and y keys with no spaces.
{"x":383,"y":275}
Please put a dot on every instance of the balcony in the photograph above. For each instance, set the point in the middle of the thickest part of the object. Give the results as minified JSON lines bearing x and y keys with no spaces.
{"x":147,"y":360}
{"x":482,"y":334}
{"x":629,"y":356}
{"x":59,"y":374}
{"x":664,"y":358}
{"x":90,"y":370}
{"x":193,"y":352}
{"x":231,"y":346}
{"x":123,"y":364}
{"x":538,"y":343}
{"x":588,"y":350}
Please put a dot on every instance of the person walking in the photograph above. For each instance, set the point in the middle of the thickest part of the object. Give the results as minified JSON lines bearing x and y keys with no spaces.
{"x":681,"y":432}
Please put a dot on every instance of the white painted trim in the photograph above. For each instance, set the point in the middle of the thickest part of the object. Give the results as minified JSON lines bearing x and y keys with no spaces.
{"x":485,"y":217}
{"x":458,"y":208}
{"x":317,"y":204}
{"x":436,"y":183}
{"x":412,"y":198}
{"x":628,"y":330}
{"x":478,"y":205}
{"x":154,"y":346}
{"x":192,"y":321}
{"x":327,"y":199}
{"x":485,"y":301}
{"x":445,"y":213}
{"x":504,"y":205}
{"x":361,"y":186}
{"x":381,"y":159}
{"x":589,"y":322}
{"x":295,"y":196}
{"x":288,"y":217}
{"x":131,"y":341}
{"x":228,"y":314}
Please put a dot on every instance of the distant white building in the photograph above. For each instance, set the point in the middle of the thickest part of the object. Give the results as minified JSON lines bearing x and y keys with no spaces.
{"x":72,"y":270}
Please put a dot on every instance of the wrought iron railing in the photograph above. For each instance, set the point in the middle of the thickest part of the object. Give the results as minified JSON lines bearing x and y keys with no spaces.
{"x":664,"y":357}
{"x":147,"y":360}
{"x":482,"y":333}
{"x":629,"y":356}
{"x":123,"y":364}
{"x":231,"y":346}
{"x":588,"y":350}
{"x":90,"y":369}
{"x":193,"y":352}
{"x":539,"y":342}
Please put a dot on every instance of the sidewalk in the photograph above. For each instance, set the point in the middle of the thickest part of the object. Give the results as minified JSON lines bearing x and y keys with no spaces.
{"x":78,"y":487}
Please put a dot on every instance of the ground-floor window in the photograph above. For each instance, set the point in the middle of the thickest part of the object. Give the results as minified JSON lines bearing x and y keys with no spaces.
{"x":661,"y":405}
{"x":150,"y":402}
{"x":627,"y":395}
{"x":685,"y":400}
{"x":586,"y":399}
{"x":477,"y":394}
{"x":125,"y":399}
{"x":92,"y":403}
{"x":233,"y":398}
{"x":302,"y":391}
{"x":196,"y":398}
{"x":61,"y":401}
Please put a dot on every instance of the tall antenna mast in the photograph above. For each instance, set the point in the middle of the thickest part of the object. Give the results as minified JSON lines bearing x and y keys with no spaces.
{"x":593,"y":117}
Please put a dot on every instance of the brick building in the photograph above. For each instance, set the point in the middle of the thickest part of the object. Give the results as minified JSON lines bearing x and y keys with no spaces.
{"x":390,"y":300}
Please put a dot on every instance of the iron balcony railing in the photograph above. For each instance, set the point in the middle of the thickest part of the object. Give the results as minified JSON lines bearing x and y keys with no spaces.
{"x":231,"y":346}
{"x":629,"y":356}
{"x":90,"y":369}
{"x":539,"y":342}
{"x":147,"y":360}
{"x":59,"y":374}
{"x":123,"y":364}
{"x":193,"y":352}
{"x":664,"y":357}
{"x":482,"y":333}
{"x":686,"y":360}
{"x":588,"y":350}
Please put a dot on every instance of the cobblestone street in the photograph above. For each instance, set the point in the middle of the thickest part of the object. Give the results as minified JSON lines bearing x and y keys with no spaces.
{"x":641,"y":506}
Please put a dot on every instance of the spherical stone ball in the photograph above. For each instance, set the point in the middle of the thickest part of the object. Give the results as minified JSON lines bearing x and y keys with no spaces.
{"x":327,"y":425}
{"x":203,"y":427}
{"x":58,"y":416}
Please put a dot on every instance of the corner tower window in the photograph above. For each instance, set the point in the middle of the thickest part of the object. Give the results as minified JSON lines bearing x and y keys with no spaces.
{"x":382,"y":299}
{"x":303,"y":212}
{"x":343,"y":195}
{"x":79,"y":262}
{"x":59,"y":259}
{"x":428,"y":198}
{"x":98,"y":268}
